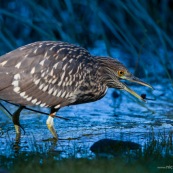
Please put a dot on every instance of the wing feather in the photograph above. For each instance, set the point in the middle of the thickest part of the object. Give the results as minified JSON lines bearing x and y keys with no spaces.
{"x":49,"y":73}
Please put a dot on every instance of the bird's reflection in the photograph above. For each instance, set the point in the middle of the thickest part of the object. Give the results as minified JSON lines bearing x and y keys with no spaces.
{"x":16,"y":145}
{"x":50,"y":144}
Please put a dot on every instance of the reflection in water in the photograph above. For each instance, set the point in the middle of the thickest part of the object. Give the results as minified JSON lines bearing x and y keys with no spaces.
{"x":113,"y":147}
{"x":19,"y":146}
{"x":16,"y":145}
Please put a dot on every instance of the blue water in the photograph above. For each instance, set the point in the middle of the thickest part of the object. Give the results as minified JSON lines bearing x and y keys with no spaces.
{"x":124,"y":119}
{"x":121,"y":118}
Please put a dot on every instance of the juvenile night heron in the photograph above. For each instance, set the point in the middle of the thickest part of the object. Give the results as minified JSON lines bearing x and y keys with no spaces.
{"x":56,"y":74}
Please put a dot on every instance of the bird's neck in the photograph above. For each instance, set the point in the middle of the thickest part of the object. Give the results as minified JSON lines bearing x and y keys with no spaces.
{"x":106,"y":71}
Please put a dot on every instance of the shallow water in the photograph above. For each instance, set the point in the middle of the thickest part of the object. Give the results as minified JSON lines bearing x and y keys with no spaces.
{"x":121,"y":118}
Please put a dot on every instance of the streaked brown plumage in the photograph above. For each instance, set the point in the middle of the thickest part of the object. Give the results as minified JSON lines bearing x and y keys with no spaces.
{"x":57,"y":74}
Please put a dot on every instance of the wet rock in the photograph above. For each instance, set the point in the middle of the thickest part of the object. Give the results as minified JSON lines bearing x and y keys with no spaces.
{"x":114,"y":147}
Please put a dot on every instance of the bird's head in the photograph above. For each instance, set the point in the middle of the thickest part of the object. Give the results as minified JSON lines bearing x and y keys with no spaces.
{"x":114,"y":72}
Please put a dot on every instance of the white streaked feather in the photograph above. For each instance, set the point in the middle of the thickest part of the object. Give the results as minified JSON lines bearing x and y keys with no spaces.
{"x":50,"y":91}
{"x":55,"y":65}
{"x":55,"y":92}
{"x":33,"y":70}
{"x":29,"y":99}
{"x":37,"y":81}
{"x":18,"y":65}
{"x":54,"y":81}
{"x":42,"y":62}
{"x":57,"y":106}
{"x":38,"y":103}
{"x":17,"y":76}
{"x":63,"y":94}
{"x":35,"y":51}
{"x":22,"y":94}
{"x":26,"y":56}
{"x":43,"y":104}
{"x":34,"y":101}
{"x":45,"y":88}
{"x":15,"y":83}
{"x":64,"y":68}
{"x":41,"y":86}
{"x":16,"y":89}
{"x":59,"y":94}
{"x":45,"y":55}
{"x":52,"y":71}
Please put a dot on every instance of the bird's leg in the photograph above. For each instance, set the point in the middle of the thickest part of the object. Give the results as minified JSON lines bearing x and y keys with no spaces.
{"x":16,"y":121}
{"x":50,"y":124}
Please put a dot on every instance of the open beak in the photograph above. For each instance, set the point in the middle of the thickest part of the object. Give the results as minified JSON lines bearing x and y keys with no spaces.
{"x":135,"y":80}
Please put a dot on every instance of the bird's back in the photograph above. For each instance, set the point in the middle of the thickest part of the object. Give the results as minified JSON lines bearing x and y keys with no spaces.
{"x":51,"y":74}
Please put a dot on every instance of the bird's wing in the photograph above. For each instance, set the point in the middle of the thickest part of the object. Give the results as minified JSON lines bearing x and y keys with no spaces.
{"x":42,"y":73}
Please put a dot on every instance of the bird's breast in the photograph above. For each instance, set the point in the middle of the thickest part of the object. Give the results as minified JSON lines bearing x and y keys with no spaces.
{"x":90,"y":93}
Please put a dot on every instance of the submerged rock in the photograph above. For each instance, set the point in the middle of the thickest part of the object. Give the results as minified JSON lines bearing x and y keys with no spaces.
{"x":113,"y":147}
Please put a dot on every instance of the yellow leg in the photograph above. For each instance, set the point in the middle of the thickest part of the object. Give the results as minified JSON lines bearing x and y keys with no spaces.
{"x":17,"y":129}
{"x":50,"y":125}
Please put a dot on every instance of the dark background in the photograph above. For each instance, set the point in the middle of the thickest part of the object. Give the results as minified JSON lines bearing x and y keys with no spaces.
{"x":142,"y":29}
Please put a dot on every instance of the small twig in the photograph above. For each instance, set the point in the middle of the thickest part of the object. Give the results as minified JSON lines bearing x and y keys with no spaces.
{"x":56,"y":116}
{"x":144,"y":96}
{"x":33,"y":110}
{"x":6,"y":109}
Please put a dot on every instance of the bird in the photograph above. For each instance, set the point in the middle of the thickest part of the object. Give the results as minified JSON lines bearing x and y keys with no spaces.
{"x":55,"y":74}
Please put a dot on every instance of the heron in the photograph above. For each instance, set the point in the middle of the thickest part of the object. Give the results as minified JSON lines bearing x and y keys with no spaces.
{"x":55,"y":74}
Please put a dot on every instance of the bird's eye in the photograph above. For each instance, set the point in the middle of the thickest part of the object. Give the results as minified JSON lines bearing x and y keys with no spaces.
{"x":121,"y":73}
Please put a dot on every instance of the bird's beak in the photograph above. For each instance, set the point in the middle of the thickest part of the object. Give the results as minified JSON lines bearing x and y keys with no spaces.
{"x":135,"y":80}
{"x":133,"y":93}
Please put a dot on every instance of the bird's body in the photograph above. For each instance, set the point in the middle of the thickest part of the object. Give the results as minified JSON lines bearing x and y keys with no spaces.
{"x":57,"y":74}
{"x":50,"y":74}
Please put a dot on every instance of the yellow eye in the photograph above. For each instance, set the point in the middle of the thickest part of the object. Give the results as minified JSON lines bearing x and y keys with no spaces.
{"x":121,"y":73}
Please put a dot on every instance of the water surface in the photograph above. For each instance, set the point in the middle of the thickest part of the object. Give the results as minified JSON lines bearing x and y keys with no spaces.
{"x":122,"y":118}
